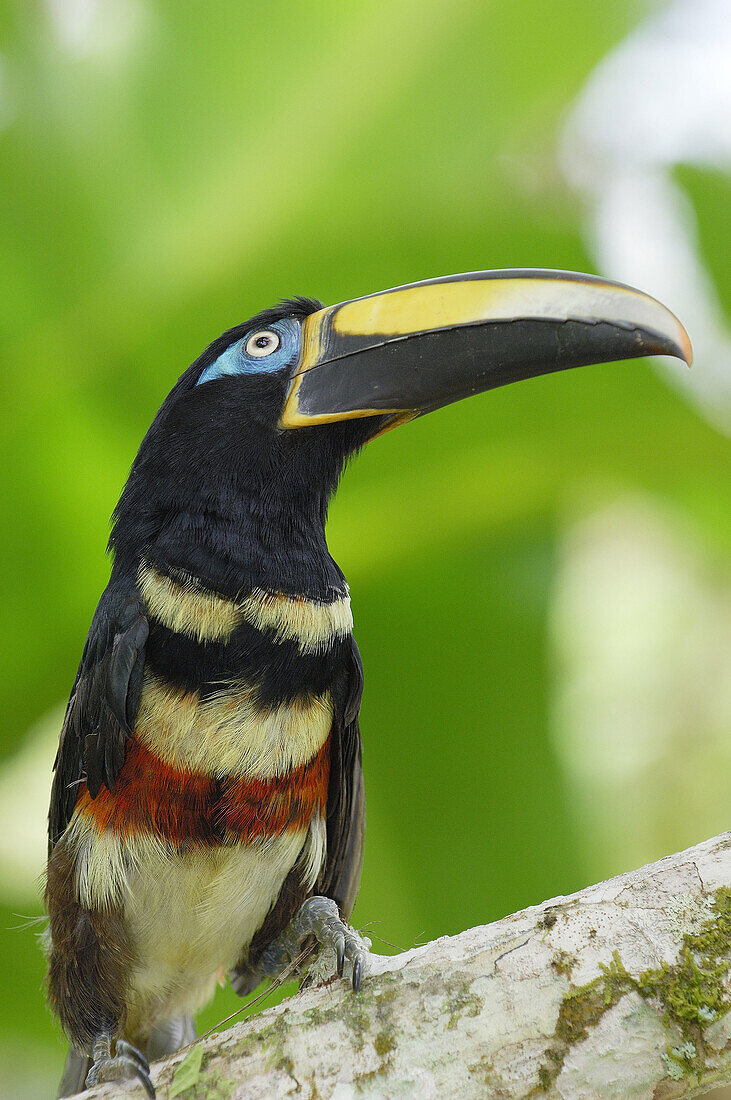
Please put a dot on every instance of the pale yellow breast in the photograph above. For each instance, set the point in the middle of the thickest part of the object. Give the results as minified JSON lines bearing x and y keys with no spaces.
{"x":185,"y":606}
{"x":230,"y":733}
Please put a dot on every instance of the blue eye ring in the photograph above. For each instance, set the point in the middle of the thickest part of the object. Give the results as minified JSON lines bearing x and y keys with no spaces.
{"x":263,"y":350}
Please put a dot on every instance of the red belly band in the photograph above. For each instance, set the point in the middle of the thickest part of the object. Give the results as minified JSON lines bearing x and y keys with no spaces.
{"x":181,"y":806}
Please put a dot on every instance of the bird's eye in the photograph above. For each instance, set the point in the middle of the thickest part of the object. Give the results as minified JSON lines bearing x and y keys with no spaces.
{"x":262,"y":351}
{"x":262,"y":343}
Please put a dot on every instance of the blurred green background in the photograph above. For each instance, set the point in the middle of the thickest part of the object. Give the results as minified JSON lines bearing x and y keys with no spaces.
{"x":538,"y":575}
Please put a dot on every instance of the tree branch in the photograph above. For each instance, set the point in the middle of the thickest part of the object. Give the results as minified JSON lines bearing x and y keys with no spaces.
{"x":621,"y":990}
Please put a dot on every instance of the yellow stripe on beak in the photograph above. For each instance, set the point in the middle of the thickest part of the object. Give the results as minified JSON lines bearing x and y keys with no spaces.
{"x":448,"y":305}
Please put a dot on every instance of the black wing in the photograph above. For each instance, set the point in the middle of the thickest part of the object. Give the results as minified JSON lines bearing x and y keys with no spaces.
{"x":103,"y":706}
{"x":340,"y":876}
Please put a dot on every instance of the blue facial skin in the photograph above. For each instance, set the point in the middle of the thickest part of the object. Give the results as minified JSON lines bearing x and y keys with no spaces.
{"x":234,"y":360}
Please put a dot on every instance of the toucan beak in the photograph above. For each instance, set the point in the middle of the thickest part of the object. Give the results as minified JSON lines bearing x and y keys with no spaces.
{"x":406,"y":351}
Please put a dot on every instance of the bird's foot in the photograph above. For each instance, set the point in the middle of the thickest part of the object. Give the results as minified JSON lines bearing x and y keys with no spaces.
{"x":319,"y":917}
{"x":127,"y":1063}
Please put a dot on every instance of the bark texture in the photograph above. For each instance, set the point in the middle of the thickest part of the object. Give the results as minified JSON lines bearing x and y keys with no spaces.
{"x":621,"y":990}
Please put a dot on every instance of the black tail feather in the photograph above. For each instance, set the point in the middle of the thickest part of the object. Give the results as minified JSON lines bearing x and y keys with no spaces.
{"x":74,"y":1074}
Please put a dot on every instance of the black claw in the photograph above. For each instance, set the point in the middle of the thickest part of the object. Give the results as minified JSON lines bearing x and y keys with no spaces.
{"x":146,"y":1083}
{"x":126,"y":1050}
{"x":357,"y":973}
{"x":340,"y":952}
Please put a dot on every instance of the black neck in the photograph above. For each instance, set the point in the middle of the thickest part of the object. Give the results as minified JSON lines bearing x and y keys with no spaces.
{"x":235,"y":502}
{"x":233,"y":551}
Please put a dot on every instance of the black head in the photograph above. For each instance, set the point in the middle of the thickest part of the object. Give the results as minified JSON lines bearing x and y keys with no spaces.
{"x":219,"y":489}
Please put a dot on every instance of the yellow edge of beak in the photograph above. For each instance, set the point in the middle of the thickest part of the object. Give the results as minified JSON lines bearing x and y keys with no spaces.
{"x":409,"y":310}
{"x":292,"y":418}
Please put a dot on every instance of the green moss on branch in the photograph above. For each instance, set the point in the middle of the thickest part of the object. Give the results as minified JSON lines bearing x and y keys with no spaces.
{"x":691,"y":993}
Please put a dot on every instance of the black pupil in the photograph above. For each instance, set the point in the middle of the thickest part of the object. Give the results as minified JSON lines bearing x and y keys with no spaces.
{"x":262,"y":341}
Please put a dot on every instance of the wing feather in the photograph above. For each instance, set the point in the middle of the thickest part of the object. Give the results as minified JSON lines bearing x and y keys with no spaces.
{"x":102,"y":709}
{"x":340,"y":877}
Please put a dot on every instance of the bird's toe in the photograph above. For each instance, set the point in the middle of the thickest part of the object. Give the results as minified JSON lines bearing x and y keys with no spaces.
{"x":320,"y":917}
{"x":128,"y":1063}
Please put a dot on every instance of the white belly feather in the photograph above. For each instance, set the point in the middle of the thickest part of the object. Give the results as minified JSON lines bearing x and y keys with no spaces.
{"x":191,"y":916}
